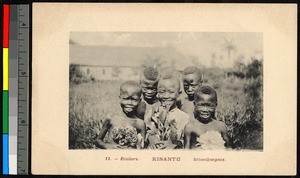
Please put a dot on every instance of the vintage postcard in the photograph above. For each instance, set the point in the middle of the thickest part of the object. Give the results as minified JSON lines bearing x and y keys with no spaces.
{"x":164,"y":89}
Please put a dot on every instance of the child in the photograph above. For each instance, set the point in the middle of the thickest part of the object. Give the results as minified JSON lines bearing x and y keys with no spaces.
{"x":165,"y":122}
{"x":148,"y":81}
{"x":191,"y":77}
{"x":170,"y":71}
{"x":126,"y":131}
{"x":205,"y":131}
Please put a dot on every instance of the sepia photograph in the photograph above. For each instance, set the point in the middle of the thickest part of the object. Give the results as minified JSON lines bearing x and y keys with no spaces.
{"x":166,"y":90}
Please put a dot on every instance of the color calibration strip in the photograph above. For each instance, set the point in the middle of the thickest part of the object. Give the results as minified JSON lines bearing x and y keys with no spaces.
{"x":5,"y":96}
{"x":15,"y":130}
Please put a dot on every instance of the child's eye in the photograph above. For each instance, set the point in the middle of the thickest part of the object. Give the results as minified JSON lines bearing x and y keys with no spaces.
{"x":151,"y":88}
{"x":171,"y":91}
{"x":212,"y":105}
{"x":161,"y":91}
{"x":200,"y":105}
{"x":135,"y":98}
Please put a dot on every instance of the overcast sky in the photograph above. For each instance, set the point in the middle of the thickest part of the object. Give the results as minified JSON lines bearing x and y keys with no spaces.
{"x":200,"y":44}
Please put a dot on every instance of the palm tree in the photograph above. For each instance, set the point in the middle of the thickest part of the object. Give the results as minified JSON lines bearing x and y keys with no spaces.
{"x":229,"y":47}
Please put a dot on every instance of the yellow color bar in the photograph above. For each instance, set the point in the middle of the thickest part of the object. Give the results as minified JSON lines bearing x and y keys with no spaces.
{"x":5,"y":68}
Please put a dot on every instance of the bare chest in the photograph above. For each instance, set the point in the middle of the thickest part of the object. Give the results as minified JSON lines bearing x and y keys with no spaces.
{"x":203,"y":128}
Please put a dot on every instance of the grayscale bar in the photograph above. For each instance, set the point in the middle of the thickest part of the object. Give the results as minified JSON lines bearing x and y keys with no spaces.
{"x":13,"y":89}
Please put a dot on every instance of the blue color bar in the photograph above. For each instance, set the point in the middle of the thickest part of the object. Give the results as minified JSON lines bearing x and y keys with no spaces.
{"x":5,"y":153}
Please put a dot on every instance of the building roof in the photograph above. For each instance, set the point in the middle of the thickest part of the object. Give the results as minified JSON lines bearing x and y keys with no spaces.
{"x":122,"y":55}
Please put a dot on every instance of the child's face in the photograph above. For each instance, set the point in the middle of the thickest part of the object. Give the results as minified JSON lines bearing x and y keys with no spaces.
{"x":190,"y":82}
{"x":168,"y":92}
{"x":205,"y":106}
{"x":149,"y":89}
{"x":129,"y":99}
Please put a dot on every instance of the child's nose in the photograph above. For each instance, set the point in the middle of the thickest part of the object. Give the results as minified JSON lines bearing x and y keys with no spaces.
{"x":130,"y":102}
{"x":206,"y":108}
{"x":166,"y":95}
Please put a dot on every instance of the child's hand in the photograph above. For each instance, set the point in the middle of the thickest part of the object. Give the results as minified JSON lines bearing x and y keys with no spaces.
{"x":170,"y":145}
{"x":161,"y":145}
{"x":140,"y":142}
{"x":106,"y":124}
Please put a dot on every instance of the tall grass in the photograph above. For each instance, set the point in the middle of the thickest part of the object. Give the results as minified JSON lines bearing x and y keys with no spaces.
{"x":89,"y":103}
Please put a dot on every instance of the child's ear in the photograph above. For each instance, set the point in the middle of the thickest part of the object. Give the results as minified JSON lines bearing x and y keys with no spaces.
{"x":179,"y":93}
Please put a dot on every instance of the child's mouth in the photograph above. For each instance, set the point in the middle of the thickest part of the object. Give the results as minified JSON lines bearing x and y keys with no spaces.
{"x":167,"y":103}
{"x":149,"y":96}
{"x":190,"y":93}
{"x":128,"y":109}
{"x":205,"y":115}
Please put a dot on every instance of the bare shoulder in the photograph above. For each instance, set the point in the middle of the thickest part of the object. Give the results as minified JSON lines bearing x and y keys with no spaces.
{"x":139,"y":123}
{"x":148,"y":114}
{"x":221,"y":125}
{"x":190,"y":126}
{"x":183,"y":114}
{"x":112,"y":117}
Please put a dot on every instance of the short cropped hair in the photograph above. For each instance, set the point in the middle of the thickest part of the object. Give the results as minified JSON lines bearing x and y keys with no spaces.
{"x":192,"y":70}
{"x":207,"y":90}
{"x":171,"y":77}
{"x":133,"y":84}
{"x":151,"y":73}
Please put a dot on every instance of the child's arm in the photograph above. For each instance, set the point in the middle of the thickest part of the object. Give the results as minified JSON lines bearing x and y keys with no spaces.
{"x":225,"y":135}
{"x":99,"y":141}
{"x":141,"y":128}
{"x":141,"y":110}
{"x":187,"y":136}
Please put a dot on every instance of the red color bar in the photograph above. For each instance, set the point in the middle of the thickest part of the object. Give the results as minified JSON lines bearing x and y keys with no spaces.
{"x":5,"y":26}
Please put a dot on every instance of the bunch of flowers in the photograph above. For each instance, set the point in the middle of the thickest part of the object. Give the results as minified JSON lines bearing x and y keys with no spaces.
{"x":166,"y":129}
{"x":125,"y":136}
{"x":211,"y":140}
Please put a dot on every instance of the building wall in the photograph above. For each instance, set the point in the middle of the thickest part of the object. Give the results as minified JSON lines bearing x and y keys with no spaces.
{"x":110,"y":73}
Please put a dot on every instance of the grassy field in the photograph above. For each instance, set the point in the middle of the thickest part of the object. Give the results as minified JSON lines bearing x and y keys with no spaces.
{"x":90,"y":102}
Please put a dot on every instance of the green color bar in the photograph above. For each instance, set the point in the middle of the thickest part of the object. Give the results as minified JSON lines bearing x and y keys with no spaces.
{"x":5,"y":111}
